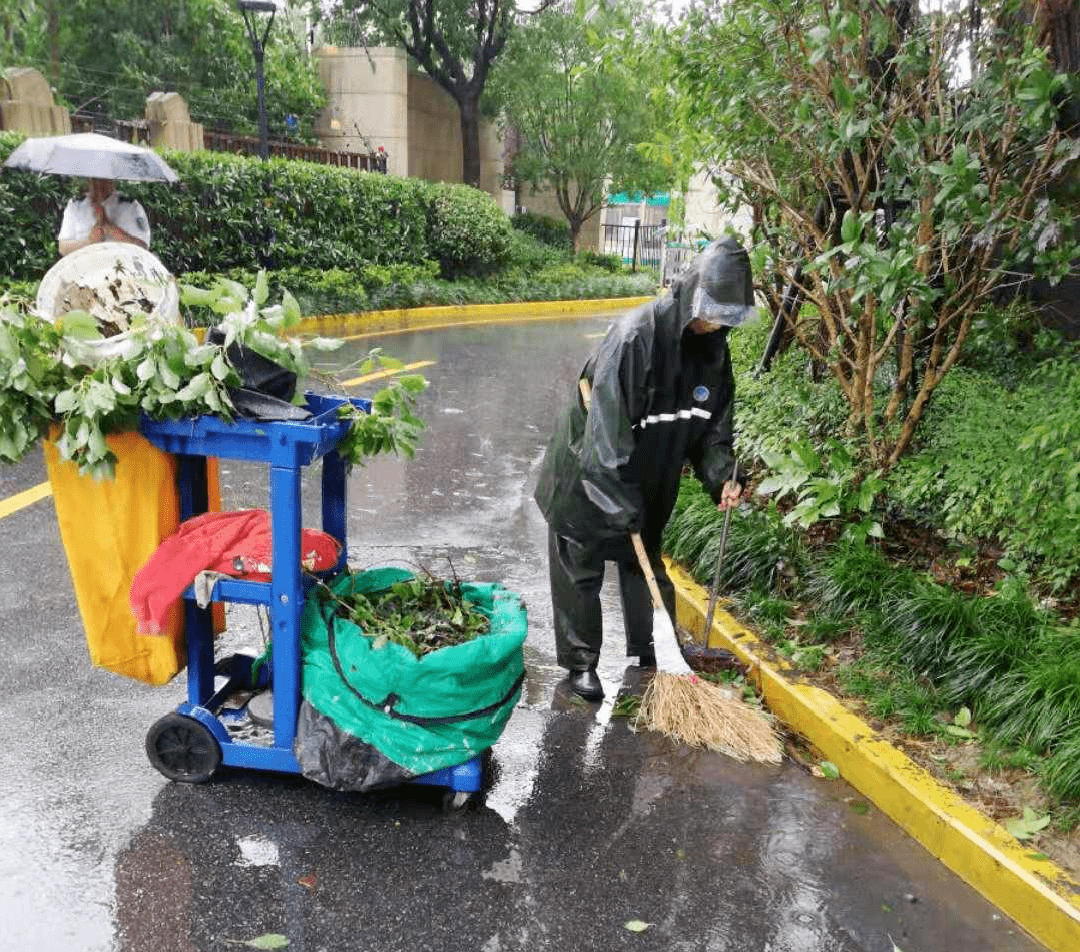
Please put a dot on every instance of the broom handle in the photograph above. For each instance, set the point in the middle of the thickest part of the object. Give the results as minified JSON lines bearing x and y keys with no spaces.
{"x":586,"y":393}
{"x":646,"y":570}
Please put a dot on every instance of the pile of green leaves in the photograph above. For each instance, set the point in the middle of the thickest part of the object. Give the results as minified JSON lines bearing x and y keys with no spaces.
{"x":53,"y":382}
{"x":423,"y":615}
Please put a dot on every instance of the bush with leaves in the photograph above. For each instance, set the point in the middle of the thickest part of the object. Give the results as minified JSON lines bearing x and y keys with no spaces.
{"x":544,"y":228}
{"x":998,"y":464}
{"x":468,"y":233}
{"x":889,"y":195}
{"x":51,"y":377}
{"x":230,"y":211}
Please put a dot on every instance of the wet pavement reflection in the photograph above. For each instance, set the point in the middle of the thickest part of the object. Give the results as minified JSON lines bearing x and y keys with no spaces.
{"x":584,"y":825}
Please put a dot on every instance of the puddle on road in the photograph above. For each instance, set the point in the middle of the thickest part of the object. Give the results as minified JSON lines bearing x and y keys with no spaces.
{"x":257,"y":851}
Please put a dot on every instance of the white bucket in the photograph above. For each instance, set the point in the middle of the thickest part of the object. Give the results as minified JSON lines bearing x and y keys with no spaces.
{"x":118,"y":283}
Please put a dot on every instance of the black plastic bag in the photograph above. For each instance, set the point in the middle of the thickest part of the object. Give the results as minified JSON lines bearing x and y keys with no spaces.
{"x":266,"y":388}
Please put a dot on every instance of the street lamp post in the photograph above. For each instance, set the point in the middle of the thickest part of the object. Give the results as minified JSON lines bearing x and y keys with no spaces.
{"x":250,"y":9}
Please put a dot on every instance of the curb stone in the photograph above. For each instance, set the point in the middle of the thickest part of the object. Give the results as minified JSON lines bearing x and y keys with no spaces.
{"x":408,"y":319}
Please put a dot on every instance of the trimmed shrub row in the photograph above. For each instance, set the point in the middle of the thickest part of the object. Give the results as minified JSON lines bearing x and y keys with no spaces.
{"x":231,"y":211}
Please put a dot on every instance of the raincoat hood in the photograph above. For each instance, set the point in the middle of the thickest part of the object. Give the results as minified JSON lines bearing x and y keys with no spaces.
{"x":717,"y":287}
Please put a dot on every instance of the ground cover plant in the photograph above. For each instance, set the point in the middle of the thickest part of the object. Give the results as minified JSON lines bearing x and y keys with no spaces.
{"x":341,"y":291}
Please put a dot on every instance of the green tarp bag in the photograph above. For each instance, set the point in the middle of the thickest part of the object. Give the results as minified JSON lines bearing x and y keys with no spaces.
{"x":422,"y":714}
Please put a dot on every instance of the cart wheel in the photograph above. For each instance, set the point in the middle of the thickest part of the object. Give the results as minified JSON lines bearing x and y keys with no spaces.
{"x":456,"y":801}
{"x":183,"y":749}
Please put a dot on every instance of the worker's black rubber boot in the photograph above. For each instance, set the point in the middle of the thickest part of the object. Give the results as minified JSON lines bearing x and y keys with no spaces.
{"x":587,"y":685}
{"x":647,"y":659}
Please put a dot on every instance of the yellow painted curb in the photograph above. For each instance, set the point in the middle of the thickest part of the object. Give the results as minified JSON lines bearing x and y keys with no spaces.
{"x":407,"y":319}
{"x":1040,"y":896}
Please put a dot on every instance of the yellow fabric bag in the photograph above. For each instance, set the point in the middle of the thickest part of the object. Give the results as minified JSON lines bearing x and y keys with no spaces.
{"x":109,"y":529}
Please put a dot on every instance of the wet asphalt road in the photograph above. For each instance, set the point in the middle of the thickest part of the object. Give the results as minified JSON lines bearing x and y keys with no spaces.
{"x":584,"y":827}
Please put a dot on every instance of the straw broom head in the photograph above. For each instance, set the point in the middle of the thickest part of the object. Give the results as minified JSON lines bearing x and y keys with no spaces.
{"x":701,"y":714}
{"x":697,"y":712}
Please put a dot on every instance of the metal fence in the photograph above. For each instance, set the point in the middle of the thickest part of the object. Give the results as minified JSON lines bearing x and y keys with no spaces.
{"x":677,"y":255}
{"x":650,"y":246}
{"x":640,"y":246}
{"x":249,"y":145}
{"x":138,"y":131}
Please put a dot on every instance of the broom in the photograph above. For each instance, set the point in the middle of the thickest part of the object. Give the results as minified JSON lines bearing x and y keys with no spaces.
{"x":690,"y":709}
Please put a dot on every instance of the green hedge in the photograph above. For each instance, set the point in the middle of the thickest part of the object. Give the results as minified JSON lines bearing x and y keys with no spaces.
{"x":232,"y":211}
{"x":550,"y":231}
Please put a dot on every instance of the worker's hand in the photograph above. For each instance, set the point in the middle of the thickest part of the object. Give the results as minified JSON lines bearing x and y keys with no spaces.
{"x":729,"y":495}
{"x":100,"y":227}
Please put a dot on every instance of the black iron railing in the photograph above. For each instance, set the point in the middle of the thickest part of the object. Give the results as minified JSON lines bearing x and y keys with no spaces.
{"x":639,"y":245}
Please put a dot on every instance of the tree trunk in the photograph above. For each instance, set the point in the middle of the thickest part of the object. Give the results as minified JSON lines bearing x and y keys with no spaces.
{"x":575,"y":234}
{"x":469,"y":107}
{"x":54,"y":42}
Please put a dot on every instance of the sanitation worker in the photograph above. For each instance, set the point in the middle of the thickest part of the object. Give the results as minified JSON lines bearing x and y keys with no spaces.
{"x":658,"y":393}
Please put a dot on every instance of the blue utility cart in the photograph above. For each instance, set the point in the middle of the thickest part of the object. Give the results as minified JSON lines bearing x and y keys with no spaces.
{"x":191,"y":742}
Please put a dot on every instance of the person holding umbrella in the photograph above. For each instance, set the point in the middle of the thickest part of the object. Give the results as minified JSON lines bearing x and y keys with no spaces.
{"x":102,"y":214}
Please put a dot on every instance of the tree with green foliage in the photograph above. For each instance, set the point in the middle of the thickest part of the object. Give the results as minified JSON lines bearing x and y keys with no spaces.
{"x":104,"y":57}
{"x":896,"y":197}
{"x":580,"y":93}
{"x":22,"y":26}
{"x":455,"y":42}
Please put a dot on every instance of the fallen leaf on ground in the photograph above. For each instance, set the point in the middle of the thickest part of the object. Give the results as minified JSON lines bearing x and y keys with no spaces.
{"x":1026,"y":826}
{"x":271,"y":940}
{"x":827,"y":770}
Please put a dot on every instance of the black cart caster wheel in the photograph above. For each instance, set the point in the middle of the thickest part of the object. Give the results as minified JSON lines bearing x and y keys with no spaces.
{"x":183,"y":749}
{"x":456,"y":801}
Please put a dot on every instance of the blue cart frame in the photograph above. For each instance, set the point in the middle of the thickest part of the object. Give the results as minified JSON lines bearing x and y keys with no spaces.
{"x":191,"y":742}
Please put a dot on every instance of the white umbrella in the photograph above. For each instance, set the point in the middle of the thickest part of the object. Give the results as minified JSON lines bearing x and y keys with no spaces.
{"x":91,"y":155}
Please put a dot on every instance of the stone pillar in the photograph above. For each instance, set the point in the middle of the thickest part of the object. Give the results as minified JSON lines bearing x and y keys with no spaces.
{"x":27,"y":104}
{"x":434,"y":131}
{"x":170,"y":123}
{"x":367,"y":104}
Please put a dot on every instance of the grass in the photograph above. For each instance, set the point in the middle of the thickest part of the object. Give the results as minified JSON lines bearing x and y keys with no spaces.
{"x":855,"y":578}
{"x":996,"y":758}
{"x":1037,"y":702}
{"x":924,"y":650}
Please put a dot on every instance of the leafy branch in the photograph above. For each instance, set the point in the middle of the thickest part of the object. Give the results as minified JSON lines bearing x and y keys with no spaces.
{"x":56,"y":380}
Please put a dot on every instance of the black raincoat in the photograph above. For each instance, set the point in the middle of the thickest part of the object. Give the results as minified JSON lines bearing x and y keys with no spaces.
{"x":661,"y":396}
